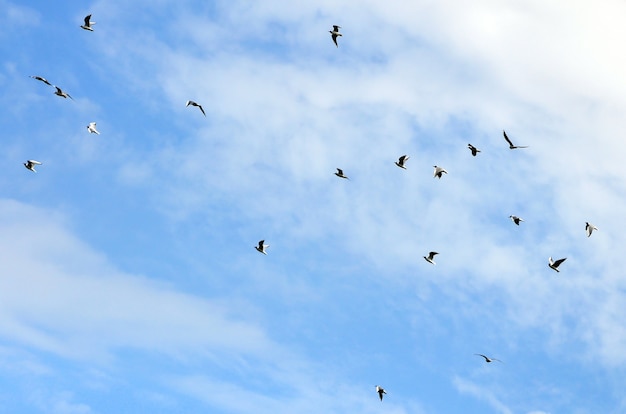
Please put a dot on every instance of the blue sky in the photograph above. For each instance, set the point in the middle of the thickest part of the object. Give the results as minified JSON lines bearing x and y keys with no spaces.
{"x":128,"y":278}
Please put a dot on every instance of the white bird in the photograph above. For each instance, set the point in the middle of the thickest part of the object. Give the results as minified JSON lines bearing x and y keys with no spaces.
{"x":380,"y":390}
{"x":334,"y":33}
{"x":261,"y":247}
{"x":44,"y":80}
{"x":515,"y":219}
{"x":92,"y":128}
{"x":88,"y":23}
{"x":511,"y":146}
{"x":192,"y":103}
{"x":554,"y":264}
{"x":59,"y":92}
{"x":402,"y":160}
{"x":439,"y":172}
{"x":430,"y":257}
{"x":590,"y":228}
{"x":487,"y":359}
{"x":473,"y":149}
{"x":30,"y":164}
{"x":340,"y":174}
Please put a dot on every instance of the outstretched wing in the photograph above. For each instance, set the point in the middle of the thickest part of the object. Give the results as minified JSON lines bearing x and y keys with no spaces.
{"x":507,"y":139}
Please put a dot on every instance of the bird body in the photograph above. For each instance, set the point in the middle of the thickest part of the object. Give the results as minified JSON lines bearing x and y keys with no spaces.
{"x":88,"y":23}
{"x":439,"y":172}
{"x":340,"y":174}
{"x":334,"y":33}
{"x":192,"y":103}
{"x":380,"y":390}
{"x":92,"y":128}
{"x":402,"y":160}
{"x":554,"y":264}
{"x":261,"y":247}
{"x":487,"y":359}
{"x":511,"y":146}
{"x":589,"y":228}
{"x":515,"y":219}
{"x":44,"y":80}
{"x":473,"y":149}
{"x":30,"y":164}
{"x":61,"y":93}
{"x":430,"y":258}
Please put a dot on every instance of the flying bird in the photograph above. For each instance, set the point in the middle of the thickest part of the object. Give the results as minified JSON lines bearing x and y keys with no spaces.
{"x":30,"y":164}
{"x":511,"y":146}
{"x":192,"y":103}
{"x":340,"y":174}
{"x":88,"y":23}
{"x":402,"y":160}
{"x":590,"y":228}
{"x":261,"y":247}
{"x":439,"y":172}
{"x":555,"y":264}
{"x":487,"y":359}
{"x":473,"y":149}
{"x":515,"y":219}
{"x":59,"y":92}
{"x":430,"y":257}
{"x":92,"y":128}
{"x":380,"y":390}
{"x":334,"y":33}
{"x":44,"y":80}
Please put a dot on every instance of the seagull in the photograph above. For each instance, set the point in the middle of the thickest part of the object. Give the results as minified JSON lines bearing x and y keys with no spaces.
{"x":30,"y":164}
{"x":261,"y":247}
{"x":473,"y":149}
{"x":340,"y":174}
{"x":439,"y":172}
{"x":555,"y":264}
{"x":59,"y":92}
{"x":87,"y":25}
{"x":515,"y":219}
{"x":192,"y":103}
{"x":487,"y":359}
{"x":335,"y":33}
{"x":402,"y":160}
{"x":92,"y":128}
{"x":511,"y":146}
{"x":44,"y":80}
{"x":380,"y":390}
{"x":590,"y":228}
{"x":430,"y":257}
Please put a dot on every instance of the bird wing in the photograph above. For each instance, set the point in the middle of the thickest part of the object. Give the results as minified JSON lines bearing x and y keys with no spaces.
{"x":431,"y":255}
{"x":34,"y":162}
{"x":87,"y":20}
{"x":188,"y":103}
{"x":335,"y":39}
{"x":202,"y":110}
{"x":484,"y":356}
{"x":336,"y":28}
{"x":261,"y":244}
{"x":558,"y":262}
{"x":507,"y":139}
{"x":339,"y":171}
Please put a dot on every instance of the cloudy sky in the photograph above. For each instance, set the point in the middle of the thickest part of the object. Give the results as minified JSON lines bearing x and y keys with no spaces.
{"x":129,"y":281}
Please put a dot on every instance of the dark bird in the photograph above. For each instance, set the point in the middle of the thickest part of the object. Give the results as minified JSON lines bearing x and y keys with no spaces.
{"x":473,"y":149}
{"x":88,"y":23}
{"x":430,"y":257}
{"x":59,"y":92}
{"x":44,"y":80}
{"x":402,"y":160}
{"x":515,"y":219}
{"x":334,"y":33}
{"x":511,"y":146}
{"x":487,"y":359}
{"x":554,"y":264}
{"x":30,"y":164}
{"x":589,"y":228}
{"x":192,"y":103}
{"x":261,"y":247}
{"x":340,"y":174}
{"x":380,"y":390}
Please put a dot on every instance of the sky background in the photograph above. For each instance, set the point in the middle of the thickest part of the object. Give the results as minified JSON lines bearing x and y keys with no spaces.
{"x":129,"y":281}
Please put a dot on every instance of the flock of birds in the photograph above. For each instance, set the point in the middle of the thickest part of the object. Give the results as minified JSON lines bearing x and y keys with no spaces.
{"x":261,"y":247}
